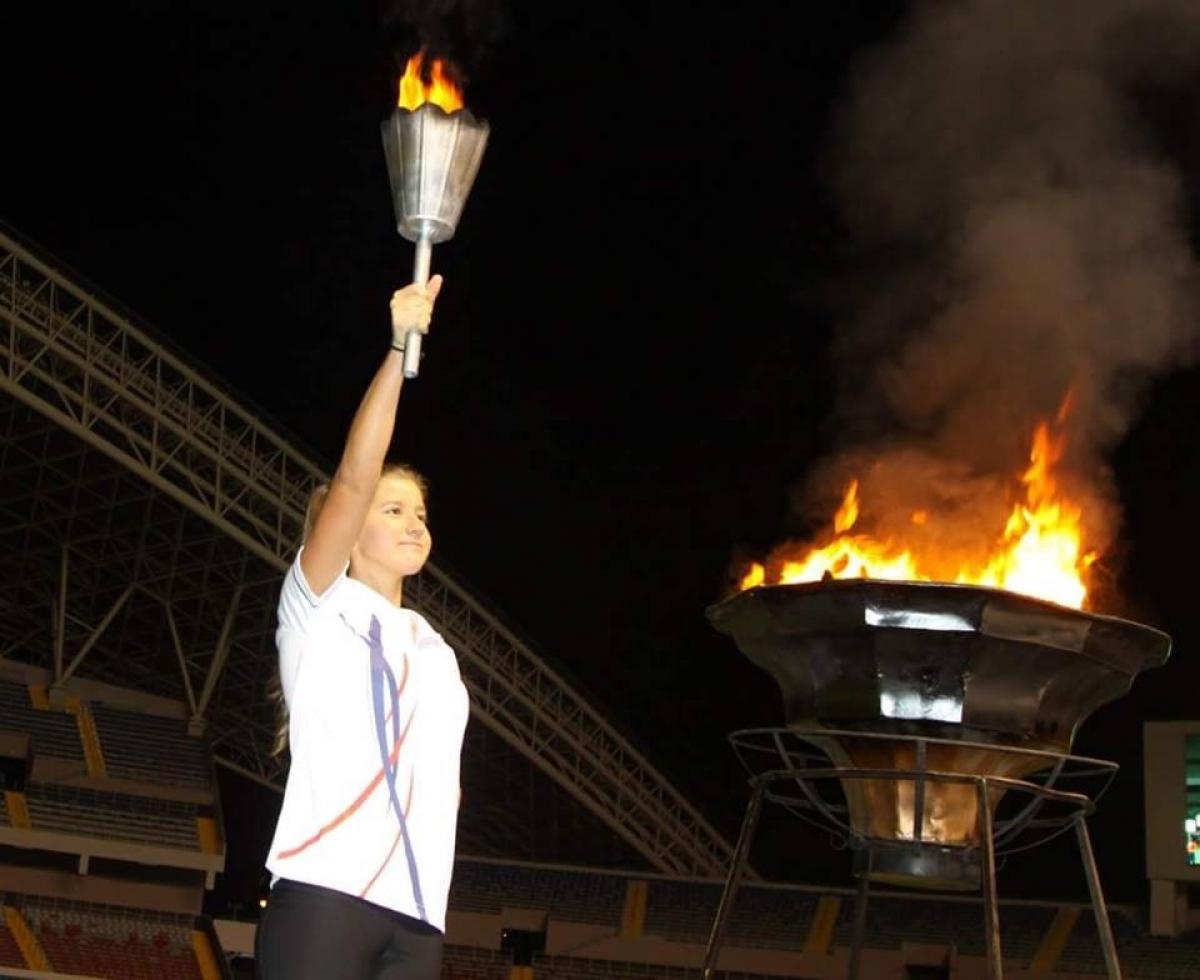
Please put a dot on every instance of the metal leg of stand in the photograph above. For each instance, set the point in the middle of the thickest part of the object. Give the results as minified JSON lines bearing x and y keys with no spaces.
{"x":991,"y":913}
{"x":860,"y":921}
{"x":1103,"y":926}
{"x":740,"y":854}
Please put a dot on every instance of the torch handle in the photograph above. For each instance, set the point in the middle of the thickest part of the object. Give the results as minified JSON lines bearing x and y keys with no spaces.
{"x":412,"y":339}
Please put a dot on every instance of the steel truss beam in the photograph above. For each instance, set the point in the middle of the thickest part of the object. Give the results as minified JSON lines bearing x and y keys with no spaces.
{"x":94,"y":375}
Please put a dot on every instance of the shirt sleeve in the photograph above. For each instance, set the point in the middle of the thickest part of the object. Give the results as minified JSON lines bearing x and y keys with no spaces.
{"x":297,"y":600}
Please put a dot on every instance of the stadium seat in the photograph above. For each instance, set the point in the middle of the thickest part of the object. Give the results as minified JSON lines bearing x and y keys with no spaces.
{"x":121,"y":944}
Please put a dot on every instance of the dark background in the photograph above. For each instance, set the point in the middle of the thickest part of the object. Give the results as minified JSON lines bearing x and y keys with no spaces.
{"x":628,"y":370}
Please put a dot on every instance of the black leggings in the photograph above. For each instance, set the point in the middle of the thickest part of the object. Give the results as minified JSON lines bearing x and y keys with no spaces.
{"x":313,"y":933}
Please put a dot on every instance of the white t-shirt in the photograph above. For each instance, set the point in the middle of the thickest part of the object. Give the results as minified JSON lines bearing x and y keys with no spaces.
{"x":377,"y":712}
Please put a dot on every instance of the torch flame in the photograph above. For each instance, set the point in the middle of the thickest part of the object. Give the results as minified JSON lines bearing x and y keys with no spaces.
{"x":440,"y":90}
{"x":1039,"y":552}
{"x":847,"y":556}
{"x":847,"y":515}
{"x":1042,"y":548}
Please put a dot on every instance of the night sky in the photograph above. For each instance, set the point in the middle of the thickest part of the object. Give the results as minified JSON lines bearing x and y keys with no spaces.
{"x":630,"y":369}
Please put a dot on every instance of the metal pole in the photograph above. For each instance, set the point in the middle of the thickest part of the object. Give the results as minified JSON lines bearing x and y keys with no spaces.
{"x":412,"y":339}
{"x":1103,"y":926}
{"x":224,"y":641}
{"x":860,"y":920}
{"x":741,"y":852}
{"x":919,"y":793}
{"x":183,"y":667}
{"x":97,"y":633}
{"x":991,"y":914}
{"x":60,"y":618}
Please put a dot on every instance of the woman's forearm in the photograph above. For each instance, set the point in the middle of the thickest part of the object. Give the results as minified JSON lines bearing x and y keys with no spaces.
{"x":371,"y":430}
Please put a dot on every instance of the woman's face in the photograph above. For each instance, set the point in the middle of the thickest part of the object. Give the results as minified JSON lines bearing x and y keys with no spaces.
{"x":394,"y":535}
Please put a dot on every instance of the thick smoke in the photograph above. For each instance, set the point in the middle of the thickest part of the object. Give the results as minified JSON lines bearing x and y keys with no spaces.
{"x":1029,"y":238}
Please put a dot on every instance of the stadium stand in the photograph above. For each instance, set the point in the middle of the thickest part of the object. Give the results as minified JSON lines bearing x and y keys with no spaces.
{"x":75,"y":810}
{"x":574,"y":968}
{"x":124,"y":944}
{"x":594,"y":898}
{"x":779,"y":920}
{"x":109,"y":941}
{"x":132,"y":794}
{"x":52,"y":733}
{"x":1022,"y":928}
{"x":768,"y":918}
{"x":10,"y":952}
{"x":954,"y":922}
{"x":1142,"y":955}
{"x":469,"y":963}
{"x":763,"y":918}
{"x":153,"y":749}
{"x":679,"y":910}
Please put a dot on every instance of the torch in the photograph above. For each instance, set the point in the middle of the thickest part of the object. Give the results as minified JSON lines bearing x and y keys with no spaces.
{"x":433,"y":147}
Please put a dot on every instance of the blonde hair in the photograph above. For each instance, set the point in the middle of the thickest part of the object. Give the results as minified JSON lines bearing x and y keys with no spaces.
{"x":316,"y":501}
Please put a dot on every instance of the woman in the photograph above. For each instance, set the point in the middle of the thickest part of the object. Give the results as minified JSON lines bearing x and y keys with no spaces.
{"x":364,"y":846}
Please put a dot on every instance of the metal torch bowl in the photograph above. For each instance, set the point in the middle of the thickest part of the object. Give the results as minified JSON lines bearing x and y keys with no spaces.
{"x":432,"y":159}
{"x":991,"y":670}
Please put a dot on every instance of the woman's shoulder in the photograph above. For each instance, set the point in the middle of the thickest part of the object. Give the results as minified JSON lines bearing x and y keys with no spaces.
{"x":423,"y":632}
{"x":300,"y":606}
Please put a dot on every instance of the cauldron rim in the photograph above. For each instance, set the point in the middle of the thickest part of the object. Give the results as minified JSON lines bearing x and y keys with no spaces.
{"x":968,"y":603}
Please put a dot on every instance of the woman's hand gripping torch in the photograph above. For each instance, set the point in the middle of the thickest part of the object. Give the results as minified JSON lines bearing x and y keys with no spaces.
{"x":412,"y":309}
{"x":433,"y":147}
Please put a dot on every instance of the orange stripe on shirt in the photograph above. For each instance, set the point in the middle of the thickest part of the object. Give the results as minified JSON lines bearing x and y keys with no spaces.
{"x":358,"y":802}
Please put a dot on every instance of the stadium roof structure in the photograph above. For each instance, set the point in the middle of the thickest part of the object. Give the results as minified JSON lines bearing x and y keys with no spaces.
{"x":145,"y":520}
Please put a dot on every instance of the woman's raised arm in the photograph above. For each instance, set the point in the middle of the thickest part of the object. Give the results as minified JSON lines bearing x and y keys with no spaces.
{"x":327,"y":548}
